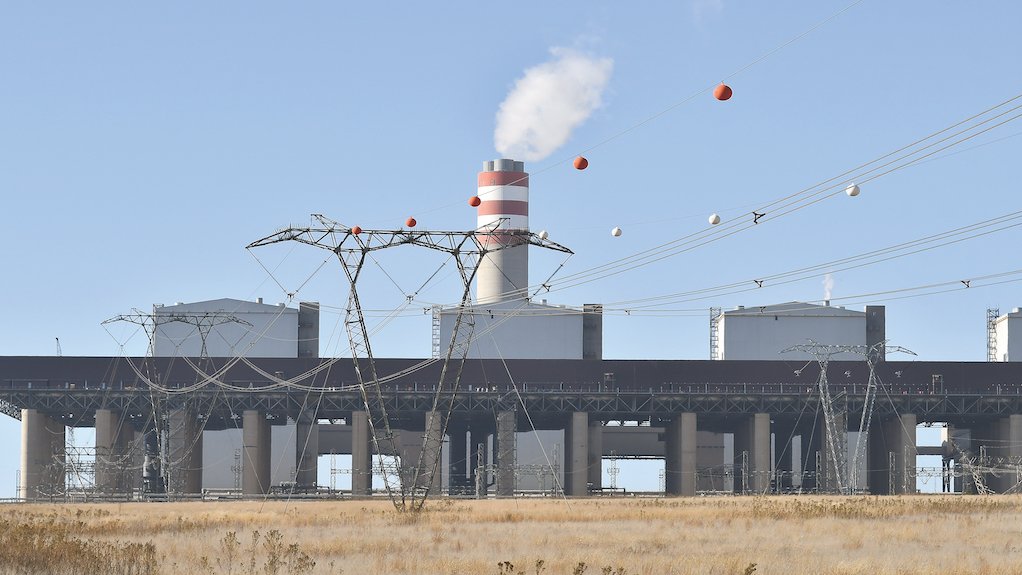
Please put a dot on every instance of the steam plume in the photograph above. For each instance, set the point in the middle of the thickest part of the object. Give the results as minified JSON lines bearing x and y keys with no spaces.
{"x":828,"y":286}
{"x":549,"y":102}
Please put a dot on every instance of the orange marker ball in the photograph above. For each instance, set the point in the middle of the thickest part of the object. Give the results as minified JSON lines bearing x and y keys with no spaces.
{"x":474,"y":201}
{"x":356,"y":230}
{"x":410,"y":222}
{"x":581,"y":163}
{"x":722,"y":92}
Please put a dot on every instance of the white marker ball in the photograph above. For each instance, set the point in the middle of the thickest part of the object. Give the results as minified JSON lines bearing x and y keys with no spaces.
{"x":852,"y":190}
{"x":615,"y":232}
{"x":543,"y":235}
{"x":714,"y":219}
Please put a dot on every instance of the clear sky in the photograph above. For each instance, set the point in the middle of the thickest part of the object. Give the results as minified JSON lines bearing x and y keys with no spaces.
{"x":142,"y":146}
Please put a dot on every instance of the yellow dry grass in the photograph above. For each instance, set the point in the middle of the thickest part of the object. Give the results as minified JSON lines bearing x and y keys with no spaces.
{"x":789,"y":535}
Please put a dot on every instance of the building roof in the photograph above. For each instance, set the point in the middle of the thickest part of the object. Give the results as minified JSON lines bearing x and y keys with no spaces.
{"x":794,"y":308}
{"x":229,"y":305}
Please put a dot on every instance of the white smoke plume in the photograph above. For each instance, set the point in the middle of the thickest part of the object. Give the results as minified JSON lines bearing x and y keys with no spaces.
{"x":549,"y":102}
{"x":828,"y":286}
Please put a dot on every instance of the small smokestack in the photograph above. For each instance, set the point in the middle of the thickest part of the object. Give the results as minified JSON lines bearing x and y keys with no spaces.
{"x":504,"y":193}
{"x":826,"y":302}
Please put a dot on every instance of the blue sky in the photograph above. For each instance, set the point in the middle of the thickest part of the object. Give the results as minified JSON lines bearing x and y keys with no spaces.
{"x":143,"y":146}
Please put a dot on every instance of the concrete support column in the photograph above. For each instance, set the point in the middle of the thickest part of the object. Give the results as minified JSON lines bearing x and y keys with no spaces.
{"x":505,"y":453}
{"x":1001,"y":442}
{"x":1011,"y":442}
{"x":810,"y":438}
{"x":184,"y":452}
{"x":457,"y":463}
{"x":361,"y":455}
{"x":680,"y":472}
{"x":306,"y":451}
{"x":960,"y":442}
{"x":832,"y":477}
{"x":891,"y":453}
{"x":595,"y":474}
{"x":576,"y":455}
{"x":752,"y":454}
{"x":432,"y":445}
{"x":783,"y":457}
{"x":255,"y":453}
{"x":42,"y":456}
{"x":136,"y":460}
{"x":114,"y":437}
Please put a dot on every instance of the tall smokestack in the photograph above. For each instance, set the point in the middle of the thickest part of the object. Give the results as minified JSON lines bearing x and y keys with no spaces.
{"x":504,"y":191}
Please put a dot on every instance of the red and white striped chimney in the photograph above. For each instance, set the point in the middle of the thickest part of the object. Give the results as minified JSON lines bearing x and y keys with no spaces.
{"x":504,"y":194}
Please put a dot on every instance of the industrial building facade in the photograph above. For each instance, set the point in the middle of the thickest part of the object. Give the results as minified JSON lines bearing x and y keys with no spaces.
{"x":233,"y":396}
{"x":760,"y":404}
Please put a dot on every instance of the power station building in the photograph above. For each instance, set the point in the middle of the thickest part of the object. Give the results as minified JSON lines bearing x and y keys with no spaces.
{"x":232,"y":328}
{"x":748,"y":422}
{"x":764,"y":332}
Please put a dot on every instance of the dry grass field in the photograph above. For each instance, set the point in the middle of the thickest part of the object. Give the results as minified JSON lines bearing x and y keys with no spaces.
{"x":764,"y":535}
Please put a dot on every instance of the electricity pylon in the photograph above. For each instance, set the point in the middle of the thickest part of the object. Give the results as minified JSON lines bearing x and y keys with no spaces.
{"x":352,"y":245}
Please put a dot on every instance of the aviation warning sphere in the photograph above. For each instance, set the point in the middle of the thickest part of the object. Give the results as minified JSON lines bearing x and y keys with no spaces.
{"x":852,"y":190}
{"x":615,"y":232}
{"x":410,"y":222}
{"x":543,"y":235}
{"x":474,"y":201}
{"x":356,"y":230}
{"x":581,"y":163}
{"x":714,"y":219}
{"x":722,"y":92}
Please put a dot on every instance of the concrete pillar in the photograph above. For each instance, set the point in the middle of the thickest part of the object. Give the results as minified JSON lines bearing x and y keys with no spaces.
{"x":960,"y":442}
{"x":255,"y":453}
{"x":810,"y":438}
{"x":361,"y":455}
{"x":114,"y":441}
{"x":429,"y":475}
{"x":457,"y":466}
{"x":892,"y":440}
{"x":752,"y":454}
{"x":783,"y":457}
{"x":42,"y":456}
{"x":831,"y":477}
{"x":1009,"y":452}
{"x":184,"y":452}
{"x":576,"y":455}
{"x":505,"y":453}
{"x":136,"y":460}
{"x":680,"y":472}
{"x":306,"y":451}
{"x":595,"y":473}
{"x":1001,"y":441}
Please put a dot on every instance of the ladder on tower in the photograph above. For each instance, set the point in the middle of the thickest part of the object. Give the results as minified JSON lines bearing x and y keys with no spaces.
{"x":436,"y":331}
{"x":715,"y":313}
{"x":992,"y":314}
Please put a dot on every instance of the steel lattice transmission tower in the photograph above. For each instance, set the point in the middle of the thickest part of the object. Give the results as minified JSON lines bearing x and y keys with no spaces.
{"x":845,"y":472}
{"x":352,"y":246}
{"x":204,"y":323}
{"x":157,"y":458}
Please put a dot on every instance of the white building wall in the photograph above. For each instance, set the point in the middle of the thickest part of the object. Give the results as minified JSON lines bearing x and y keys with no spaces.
{"x":273,"y":333}
{"x":1009,"y":348}
{"x":219,"y":449}
{"x":519,"y":330}
{"x":761,"y":333}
